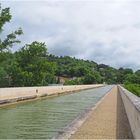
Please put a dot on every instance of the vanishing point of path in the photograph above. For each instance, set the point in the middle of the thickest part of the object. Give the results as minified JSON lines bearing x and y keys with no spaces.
{"x":107,"y":121}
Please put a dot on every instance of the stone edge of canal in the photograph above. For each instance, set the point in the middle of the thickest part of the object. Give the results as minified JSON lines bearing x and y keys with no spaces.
{"x":30,"y":98}
{"x":76,"y":124}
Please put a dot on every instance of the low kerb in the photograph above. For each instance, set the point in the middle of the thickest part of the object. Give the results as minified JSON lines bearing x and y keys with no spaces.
{"x":107,"y":121}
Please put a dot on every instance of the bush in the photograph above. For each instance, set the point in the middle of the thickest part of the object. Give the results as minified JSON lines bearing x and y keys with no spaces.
{"x":134,"y":88}
{"x":77,"y":81}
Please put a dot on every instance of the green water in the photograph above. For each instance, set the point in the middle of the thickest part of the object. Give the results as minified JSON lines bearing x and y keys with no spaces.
{"x":43,"y":119}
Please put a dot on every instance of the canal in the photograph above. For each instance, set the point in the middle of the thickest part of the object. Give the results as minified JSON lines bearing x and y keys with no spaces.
{"x":44,"y":119}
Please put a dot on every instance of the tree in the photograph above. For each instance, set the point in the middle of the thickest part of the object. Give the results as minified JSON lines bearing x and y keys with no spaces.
{"x":33,"y":66}
{"x":5,"y":16}
{"x":137,"y":73}
{"x":3,"y":80}
{"x":16,"y":74}
{"x":11,"y":38}
{"x":92,"y":78}
{"x":6,"y":44}
{"x":128,"y":71}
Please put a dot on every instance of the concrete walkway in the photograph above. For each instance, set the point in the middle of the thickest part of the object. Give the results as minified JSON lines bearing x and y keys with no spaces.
{"x":107,"y":121}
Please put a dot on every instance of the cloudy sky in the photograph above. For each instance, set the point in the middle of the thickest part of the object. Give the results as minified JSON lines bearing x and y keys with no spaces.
{"x":105,"y":31}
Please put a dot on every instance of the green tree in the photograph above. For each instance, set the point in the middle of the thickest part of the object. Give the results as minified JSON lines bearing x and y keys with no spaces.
{"x":11,"y":38}
{"x":3,"y":80}
{"x":123,"y":74}
{"x":92,"y":78}
{"x":16,"y":74}
{"x":6,"y":44}
{"x":33,"y":65}
{"x":137,"y":73}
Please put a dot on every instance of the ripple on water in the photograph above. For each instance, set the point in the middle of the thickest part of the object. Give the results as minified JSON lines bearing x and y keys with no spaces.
{"x":43,"y":119}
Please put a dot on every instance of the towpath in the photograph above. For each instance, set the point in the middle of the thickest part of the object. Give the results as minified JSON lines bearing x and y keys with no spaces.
{"x":107,"y":121}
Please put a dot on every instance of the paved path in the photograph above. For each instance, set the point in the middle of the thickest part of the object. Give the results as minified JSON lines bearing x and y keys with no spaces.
{"x":107,"y":121}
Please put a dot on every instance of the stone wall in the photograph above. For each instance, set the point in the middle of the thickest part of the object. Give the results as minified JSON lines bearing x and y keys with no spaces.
{"x":132,"y":107}
{"x":9,"y":95}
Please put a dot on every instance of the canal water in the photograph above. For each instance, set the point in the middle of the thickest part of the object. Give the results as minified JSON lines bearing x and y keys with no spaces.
{"x":44,"y":119}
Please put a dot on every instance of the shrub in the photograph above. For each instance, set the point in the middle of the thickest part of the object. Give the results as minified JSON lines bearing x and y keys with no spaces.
{"x":134,"y":88}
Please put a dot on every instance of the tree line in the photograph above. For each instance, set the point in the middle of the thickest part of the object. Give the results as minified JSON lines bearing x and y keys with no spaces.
{"x":32,"y":65}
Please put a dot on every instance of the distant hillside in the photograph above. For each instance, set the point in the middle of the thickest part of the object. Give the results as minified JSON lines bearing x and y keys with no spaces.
{"x":99,"y":73}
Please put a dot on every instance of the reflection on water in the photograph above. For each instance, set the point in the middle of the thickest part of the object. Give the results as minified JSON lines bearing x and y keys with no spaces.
{"x":43,"y":119}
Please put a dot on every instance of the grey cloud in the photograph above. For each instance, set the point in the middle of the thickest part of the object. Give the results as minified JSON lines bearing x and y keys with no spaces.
{"x":117,"y":28}
{"x":105,"y":31}
{"x":63,"y":50}
{"x":137,"y":25}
